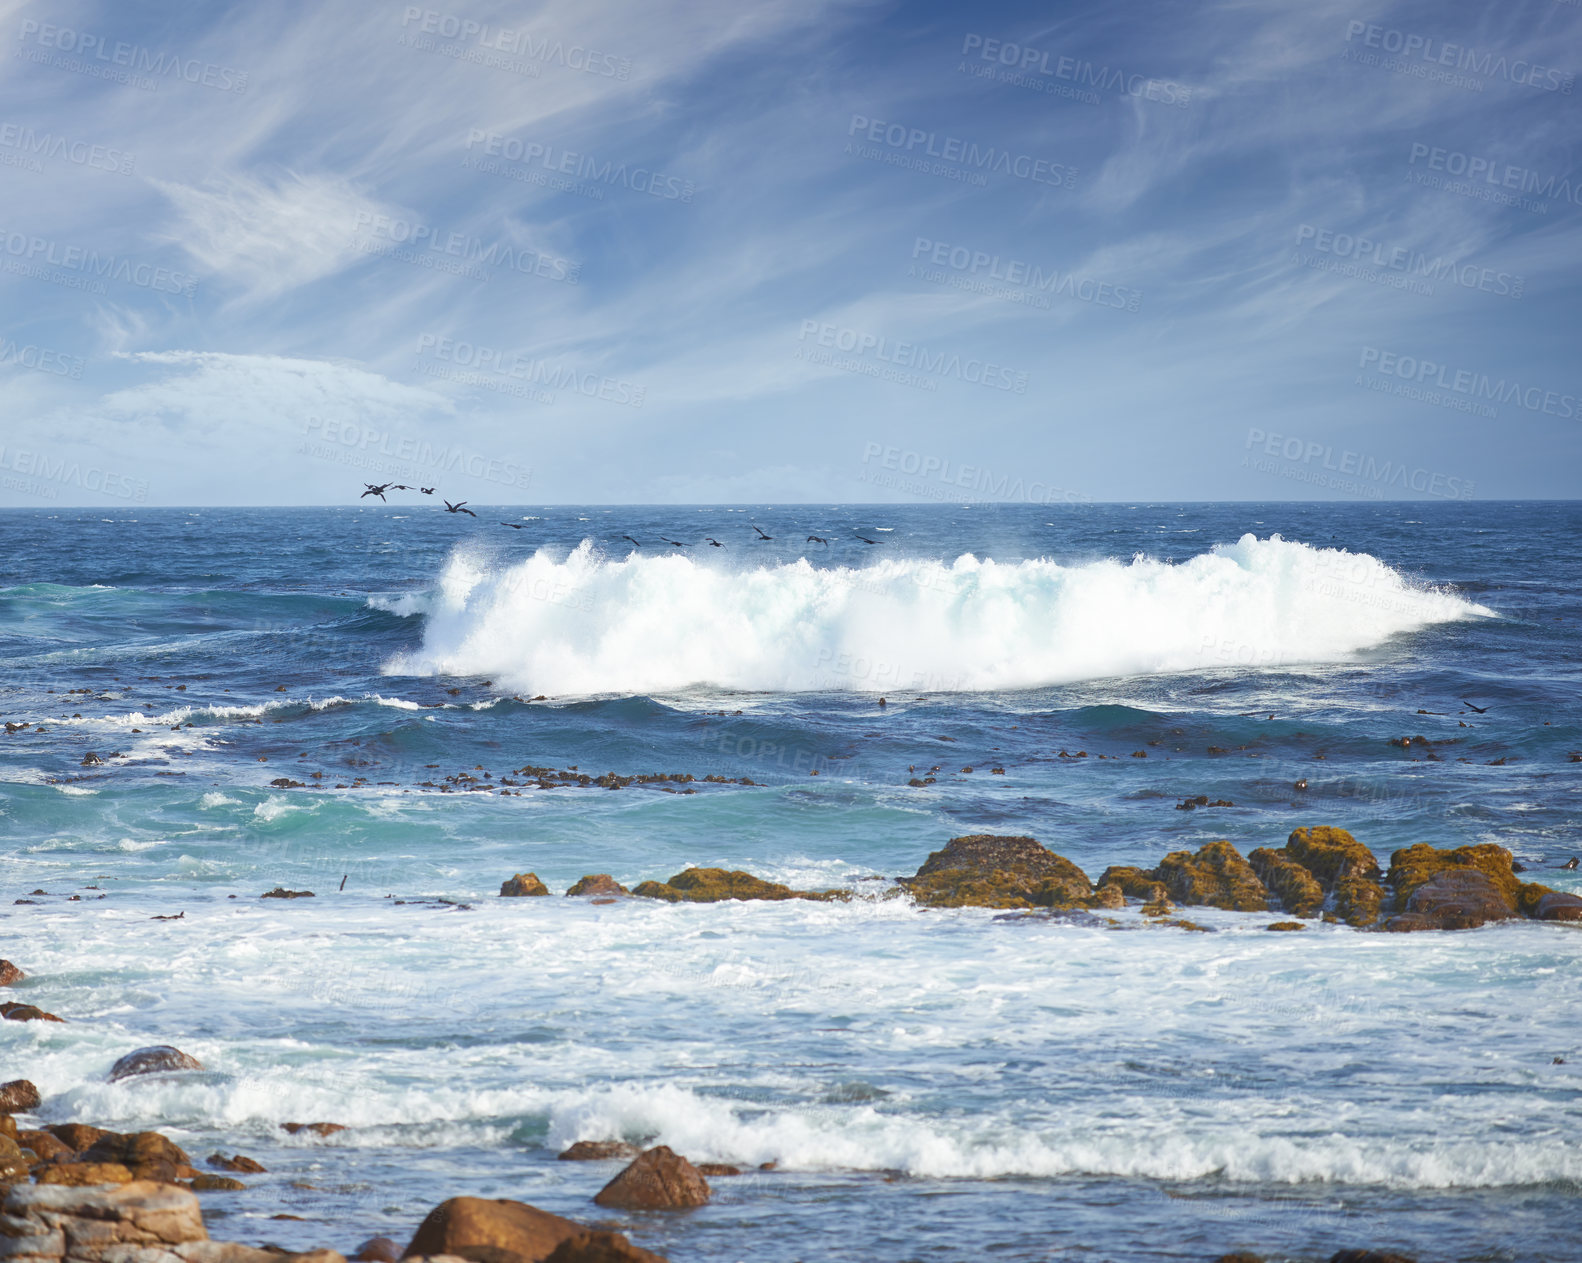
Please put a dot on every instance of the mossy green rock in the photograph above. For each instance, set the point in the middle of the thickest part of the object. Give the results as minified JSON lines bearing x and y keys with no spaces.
{"x":714,"y":885}
{"x":985,"y":870}
{"x":1414,"y":866}
{"x":1331,"y":855}
{"x":1216,"y":876}
{"x":1296,"y":888}
{"x":524,"y":884}
{"x":1358,"y":900}
{"x":1134,"y":883}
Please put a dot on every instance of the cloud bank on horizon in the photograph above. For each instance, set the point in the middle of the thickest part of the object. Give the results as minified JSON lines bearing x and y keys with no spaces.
{"x":584,"y":251}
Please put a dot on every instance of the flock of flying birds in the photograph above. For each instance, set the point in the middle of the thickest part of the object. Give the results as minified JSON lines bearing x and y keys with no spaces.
{"x":379,"y":489}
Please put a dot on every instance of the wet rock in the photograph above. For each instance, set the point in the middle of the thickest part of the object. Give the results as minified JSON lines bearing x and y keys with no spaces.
{"x":13,"y":1162}
{"x":84,"y":1174}
{"x":1134,"y":883}
{"x":599,"y":1246}
{"x":1331,"y":854}
{"x":717,"y":1169}
{"x":986,"y":870}
{"x":1558,"y":906}
{"x":599,"y":1151}
{"x":9,"y":973}
{"x":1216,"y":877}
{"x":280,"y":892}
{"x":1368,"y":1256}
{"x":147,"y":1154}
{"x":1413,"y":866}
{"x":312,"y":1129}
{"x":1290,"y":882}
{"x":1454,"y":899}
{"x":658,"y":1179}
{"x":8,"y":1128}
{"x":1285,"y":925}
{"x":1109,"y":897}
{"x":491,"y":1231}
{"x":714,"y":885}
{"x":377,"y":1250}
{"x":155,"y":1059}
{"x":598,"y":884}
{"x":78,"y":1135}
{"x":236,"y":1162}
{"x":524,"y":884}
{"x":204,"y":1183}
{"x":1357,"y":900}
{"x":1241,"y":1256}
{"x":47,"y":1146}
{"x":27,"y":1013}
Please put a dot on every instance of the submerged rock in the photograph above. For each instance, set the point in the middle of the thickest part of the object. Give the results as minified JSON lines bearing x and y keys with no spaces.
{"x":27,"y":1013}
{"x":1216,"y":876}
{"x":713,"y":885}
{"x":523,"y":884}
{"x":203,"y":1183}
{"x":599,"y":1151}
{"x":985,"y":870}
{"x":280,"y":892}
{"x":658,"y":1179}
{"x":154,"y":1059}
{"x":312,"y":1129}
{"x":236,"y":1162}
{"x":598,"y":884}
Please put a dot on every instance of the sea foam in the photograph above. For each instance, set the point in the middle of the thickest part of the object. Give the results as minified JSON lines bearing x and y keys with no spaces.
{"x":588,"y":623}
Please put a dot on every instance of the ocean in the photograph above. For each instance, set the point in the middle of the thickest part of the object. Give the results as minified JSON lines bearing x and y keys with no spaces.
{"x":335,"y":699}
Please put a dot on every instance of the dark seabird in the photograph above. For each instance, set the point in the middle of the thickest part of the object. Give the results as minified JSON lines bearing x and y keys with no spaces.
{"x":374,"y":489}
{"x":817,"y":539}
{"x":866,"y":540}
{"x":515,"y":526}
{"x":399,"y":486}
{"x":428,"y":491}
{"x":676,"y":542}
{"x":761,"y":535}
{"x":459,"y":508}
{"x":634,"y":542}
{"x":715,"y":542}
{"x":1482,"y":710}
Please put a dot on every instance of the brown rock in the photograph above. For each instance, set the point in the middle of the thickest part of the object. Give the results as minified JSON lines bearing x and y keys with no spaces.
{"x":1241,"y":1256}
{"x":657,"y":1179}
{"x":13,"y":1163}
{"x":717,"y":1169}
{"x":986,"y":870}
{"x":155,"y":1059}
{"x":27,"y":1013}
{"x":491,"y":1231}
{"x":47,"y":1146}
{"x":18,"y":1097}
{"x":1413,"y":866}
{"x":78,"y":1135}
{"x":1331,"y":854}
{"x":524,"y":884}
{"x":598,"y":884}
{"x":598,"y":1246}
{"x":203,"y":1183}
{"x":599,"y":1151}
{"x":1559,"y":906}
{"x":1216,"y":876}
{"x":147,"y":1154}
{"x":313,"y":1129}
{"x":1109,"y":897}
{"x":1134,"y":883}
{"x":236,"y":1162}
{"x":9,"y":973}
{"x":8,"y":1128}
{"x":1368,"y":1256}
{"x":84,"y":1174}
{"x":280,"y":892}
{"x":716,"y":885}
{"x":1454,"y":899}
{"x":1296,"y":888}
{"x":377,"y":1250}
{"x":1285,"y":925}
{"x":1357,"y":900}
{"x":101,"y":1223}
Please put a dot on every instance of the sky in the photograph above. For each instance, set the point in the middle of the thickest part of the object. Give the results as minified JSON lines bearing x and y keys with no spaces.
{"x":582,"y":251}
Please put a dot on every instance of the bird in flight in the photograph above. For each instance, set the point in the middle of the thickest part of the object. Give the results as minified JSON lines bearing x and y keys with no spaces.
{"x":676,"y":542}
{"x":428,"y":491}
{"x":374,"y":489}
{"x":761,"y":535}
{"x":459,"y":508}
{"x":634,"y":542}
{"x":1481,"y":710}
{"x":817,"y":539}
{"x":866,"y":540}
{"x":716,"y":543}
{"x":399,"y":486}
{"x":515,"y":526}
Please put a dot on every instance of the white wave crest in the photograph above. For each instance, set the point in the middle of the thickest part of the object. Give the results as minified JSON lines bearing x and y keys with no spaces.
{"x":589,"y":624}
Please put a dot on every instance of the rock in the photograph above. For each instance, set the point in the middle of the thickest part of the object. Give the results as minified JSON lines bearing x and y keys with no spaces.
{"x":1109,"y":897}
{"x":155,"y":1059}
{"x":1357,"y":900}
{"x":1217,"y":877}
{"x":984,"y":870}
{"x":280,"y":892}
{"x":491,"y":1231}
{"x":27,"y":1013}
{"x":1331,"y":854}
{"x":1296,"y":888}
{"x":717,"y":1169}
{"x":1241,"y":1256}
{"x":130,"y":1223}
{"x":236,"y":1162}
{"x":216,"y":1183}
{"x":313,"y":1129}
{"x":85,"y":1174}
{"x":656,"y":1180}
{"x":715,"y":885}
{"x":1285,"y":925}
{"x":599,"y":1246}
{"x":1454,"y":899}
{"x":9,"y":973}
{"x":13,"y":1162}
{"x":1558,"y":906}
{"x":377,"y":1250}
{"x":524,"y":884}
{"x":47,"y":1146}
{"x":1413,"y":866}
{"x":78,"y":1135}
{"x":147,"y":1154}
{"x":599,"y":1151}
{"x":598,"y":884}
{"x":1134,"y":883}
{"x":1368,"y":1256}
{"x":8,"y":1128}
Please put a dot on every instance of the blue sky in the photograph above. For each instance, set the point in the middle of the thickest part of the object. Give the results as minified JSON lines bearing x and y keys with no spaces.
{"x":617,"y":252}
